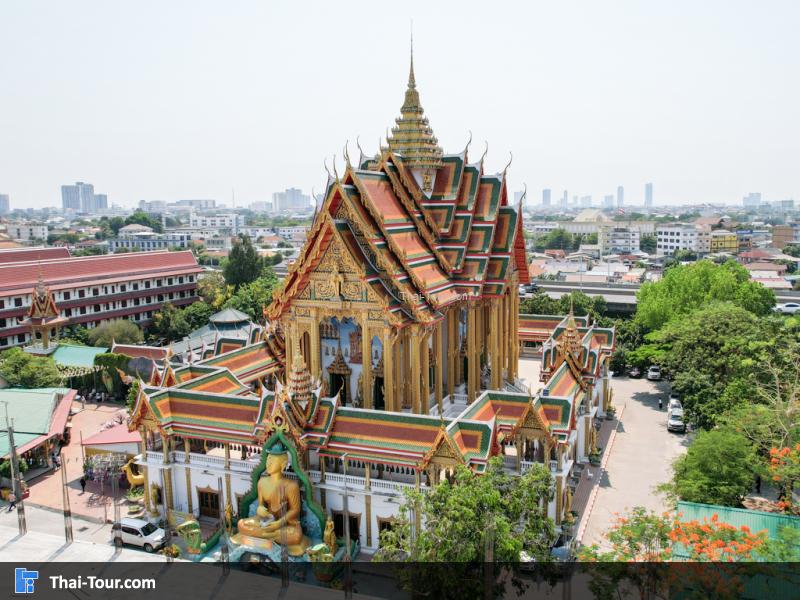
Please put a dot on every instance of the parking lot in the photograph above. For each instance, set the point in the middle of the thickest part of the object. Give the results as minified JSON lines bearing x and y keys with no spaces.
{"x":640,"y":458}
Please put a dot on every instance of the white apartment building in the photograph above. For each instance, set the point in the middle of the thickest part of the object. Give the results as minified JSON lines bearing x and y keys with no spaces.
{"x":290,"y":232}
{"x":618,"y":240}
{"x":25,"y":232}
{"x":682,"y":236}
{"x":219,"y":221}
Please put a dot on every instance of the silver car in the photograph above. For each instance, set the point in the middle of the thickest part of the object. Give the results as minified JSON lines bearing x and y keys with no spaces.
{"x":138,"y":532}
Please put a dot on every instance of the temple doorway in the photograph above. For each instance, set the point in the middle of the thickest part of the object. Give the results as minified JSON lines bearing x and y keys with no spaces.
{"x":338,"y":525}
{"x":209,"y":503}
{"x":377,"y":394}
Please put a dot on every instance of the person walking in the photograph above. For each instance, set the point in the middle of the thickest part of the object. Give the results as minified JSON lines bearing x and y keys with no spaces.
{"x":12,"y":502}
{"x":83,"y":485}
{"x":660,"y":403}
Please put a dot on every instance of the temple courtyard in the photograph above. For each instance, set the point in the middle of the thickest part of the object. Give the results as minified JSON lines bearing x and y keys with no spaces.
{"x":637,"y":454}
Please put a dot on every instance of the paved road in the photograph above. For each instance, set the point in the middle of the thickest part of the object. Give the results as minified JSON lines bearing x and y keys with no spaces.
{"x":45,"y":541}
{"x":640,"y":458}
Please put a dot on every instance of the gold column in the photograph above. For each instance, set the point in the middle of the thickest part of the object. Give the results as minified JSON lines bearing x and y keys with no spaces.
{"x":472,"y":368}
{"x":366,"y":363}
{"x":559,"y":488}
{"x":439,"y":365}
{"x":186,"y":460}
{"x":414,"y":343}
{"x":368,"y":514}
{"x":425,"y":360}
{"x":451,"y":354}
{"x":388,"y":370}
{"x":143,"y":433}
{"x":494,"y":337}
{"x":165,"y":443}
{"x":405,"y":370}
{"x":315,"y":346}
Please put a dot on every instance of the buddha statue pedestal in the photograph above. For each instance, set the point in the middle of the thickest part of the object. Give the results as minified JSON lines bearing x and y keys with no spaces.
{"x":277,"y":518}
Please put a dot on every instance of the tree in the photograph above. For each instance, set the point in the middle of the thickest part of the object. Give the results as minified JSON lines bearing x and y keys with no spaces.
{"x":140,"y":217}
{"x":458,"y":517}
{"x":582,"y":305}
{"x":716,"y":356}
{"x":539,"y":304}
{"x":647,"y":243}
{"x":559,"y":239}
{"x":645,"y":536}
{"x":121,"y":331}
{"x":213,"y":289}
{"x":252,"y":297}
{"x":197,"y":314}
{"x":244,"y":264}
{"x":687,"y":287}
{"x":24,"y":370}
{"x":169,"y":324}
{"x":784,"y":467}
{"x":718,"y":468}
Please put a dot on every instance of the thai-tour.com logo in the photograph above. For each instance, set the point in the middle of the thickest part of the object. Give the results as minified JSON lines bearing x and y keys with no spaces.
{"x":24,"y":580}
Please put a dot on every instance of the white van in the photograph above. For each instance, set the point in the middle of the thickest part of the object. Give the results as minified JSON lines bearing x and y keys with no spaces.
{"x":138,"y":532}
{"x":675,"y":420}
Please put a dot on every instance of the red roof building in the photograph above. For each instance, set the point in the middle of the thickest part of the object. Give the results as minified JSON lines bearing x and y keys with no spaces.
{"x":13,"y":255}
{"x":92,"y":289}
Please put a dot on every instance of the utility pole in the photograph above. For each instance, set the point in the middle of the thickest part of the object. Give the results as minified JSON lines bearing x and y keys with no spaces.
{"x":16,"y":483}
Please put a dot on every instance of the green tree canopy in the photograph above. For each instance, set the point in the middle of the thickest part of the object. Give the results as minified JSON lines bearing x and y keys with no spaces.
{"x":169,"y":324}
{"x":140,"y":217}
{"x":252,"y":297}
{"x":716,"y":355}
{"x":647,"y":243}
{"x":458,"y":517}
{"x":718,"y":468}
{"x":687,"y":287}
{"x":197,"y":314}
{"x":121,"y":331}
{"x":24,"y":370}
{"x":244,"y":264}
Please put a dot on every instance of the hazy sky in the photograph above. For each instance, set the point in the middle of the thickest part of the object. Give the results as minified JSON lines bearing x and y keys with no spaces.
{"x":167,"y":100}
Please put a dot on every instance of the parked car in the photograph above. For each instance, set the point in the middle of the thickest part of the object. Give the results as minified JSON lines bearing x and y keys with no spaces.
{"x":138,"y":532}
{"x":654,"y":373}
{"x":787,"y":308}
{"x":634,"y":373}
{"x":675,"y":420}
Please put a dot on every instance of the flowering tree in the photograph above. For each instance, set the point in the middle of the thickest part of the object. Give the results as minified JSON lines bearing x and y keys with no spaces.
{"x":785,"y":469}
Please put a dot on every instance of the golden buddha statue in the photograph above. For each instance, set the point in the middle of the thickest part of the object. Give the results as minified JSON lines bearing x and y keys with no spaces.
{"x":277,"y":517}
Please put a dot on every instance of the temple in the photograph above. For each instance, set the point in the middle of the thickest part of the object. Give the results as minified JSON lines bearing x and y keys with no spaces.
{"x":388,"y":358}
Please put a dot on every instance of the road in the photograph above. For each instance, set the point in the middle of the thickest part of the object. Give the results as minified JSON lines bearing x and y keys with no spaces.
{"x":640,"y":458}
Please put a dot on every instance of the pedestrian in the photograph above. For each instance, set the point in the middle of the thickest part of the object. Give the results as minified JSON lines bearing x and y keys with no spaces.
{"x":12,"y":501}
{"x":83,"y":485}
{"x":660,"y":403}
{"x":758,"y":484}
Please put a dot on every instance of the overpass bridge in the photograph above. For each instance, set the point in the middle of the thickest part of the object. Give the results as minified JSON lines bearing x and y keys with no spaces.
{"x":621,"y":297}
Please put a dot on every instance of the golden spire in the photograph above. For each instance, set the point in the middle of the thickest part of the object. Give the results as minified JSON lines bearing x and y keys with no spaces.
{"x":412,"y":137}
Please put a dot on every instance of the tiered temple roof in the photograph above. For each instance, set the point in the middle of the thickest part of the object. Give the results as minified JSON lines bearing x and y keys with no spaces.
{"x":420,"y":250}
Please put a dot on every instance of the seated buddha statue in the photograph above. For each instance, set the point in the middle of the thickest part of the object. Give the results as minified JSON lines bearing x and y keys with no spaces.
{"x":277,"y":516}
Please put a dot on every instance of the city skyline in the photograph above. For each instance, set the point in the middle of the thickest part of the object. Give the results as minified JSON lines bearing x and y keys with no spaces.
{"x":211,"y":103}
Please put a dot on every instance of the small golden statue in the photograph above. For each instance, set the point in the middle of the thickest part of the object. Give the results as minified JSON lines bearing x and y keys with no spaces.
{"x":279,"y":505}
{"x":329,"y":537}
{"x":228,"y":518}
{"x":155,"y":498}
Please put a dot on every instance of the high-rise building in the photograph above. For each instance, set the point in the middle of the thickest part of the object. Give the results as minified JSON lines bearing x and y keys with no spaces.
{"x":5,"y":204}
{"x":292,"y":199}
{"x":100,"y":202}
{"x":546,"y":197}
{"x":648,"y":195}
{"x":586,"y":201}
{"x":81,"y":198}
{"x":752,"y":200}
{"x":620,"y":196}
{"x":565,"y":200}
{"x":608,"y":201}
